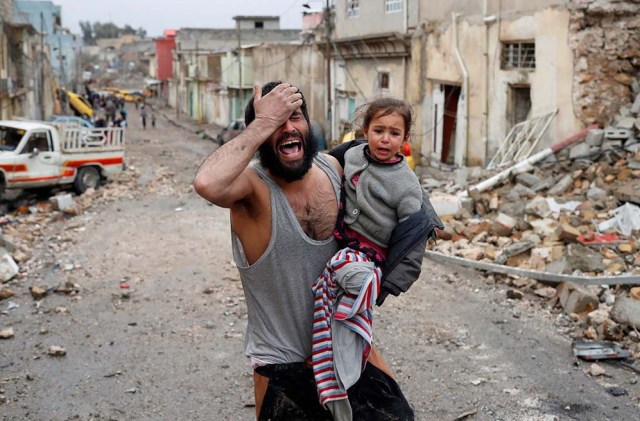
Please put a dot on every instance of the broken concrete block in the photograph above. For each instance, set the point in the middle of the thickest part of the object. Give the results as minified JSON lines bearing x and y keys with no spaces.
{"x":627,"y":311}
{"x":503,"y":225}
{"x":579,"y":150}
{"x":584,"y":259}
{"x":519,"y":191}
{"x":541,"y":253}
{"x":62,"y":202}
{"x":556,"y":266}
{"x":576,"y":299}
{"x":514,"y":250}
{"x":8,"y":268}
{"x":597,"y":194}
{"x":476,"y":253}
{"x":473,"y":230}
{"x":635,"y":108}
{"x":561,"y":186}
{"x":594,"y":137}
{"x":626,"y":123}
{"x":546,"y":227}
{"x":446,"y":204}
{"x":610,"y":144}
{"x":611,"y":133}
{"x":538,"y":207}
{"x":528,"y":180}
{"x":568,"y":233}
{"x":460,"y":175}
{"x":467,"y":203}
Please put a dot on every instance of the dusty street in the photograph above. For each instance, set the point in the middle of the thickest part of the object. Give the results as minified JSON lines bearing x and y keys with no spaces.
{"x":169,"y":347}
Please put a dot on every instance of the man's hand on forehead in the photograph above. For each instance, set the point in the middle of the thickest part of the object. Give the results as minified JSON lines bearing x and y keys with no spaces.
{"x":277,"y":105}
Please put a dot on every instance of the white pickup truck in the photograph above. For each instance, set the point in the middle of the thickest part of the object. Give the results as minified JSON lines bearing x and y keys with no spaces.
{"x":35,"y":154}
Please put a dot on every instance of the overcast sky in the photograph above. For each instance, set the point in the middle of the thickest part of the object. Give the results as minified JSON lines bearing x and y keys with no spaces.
{"x":157,"y":15}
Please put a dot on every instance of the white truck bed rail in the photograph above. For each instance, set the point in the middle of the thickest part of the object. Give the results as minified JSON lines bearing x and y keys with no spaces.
{"x":75,"y":139}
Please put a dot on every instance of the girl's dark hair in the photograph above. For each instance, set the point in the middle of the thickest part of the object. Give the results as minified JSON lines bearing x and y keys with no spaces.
{"x":384,"y":106}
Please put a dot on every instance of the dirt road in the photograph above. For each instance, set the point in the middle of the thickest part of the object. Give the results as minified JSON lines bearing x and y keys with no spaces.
{"x":169,"y":346}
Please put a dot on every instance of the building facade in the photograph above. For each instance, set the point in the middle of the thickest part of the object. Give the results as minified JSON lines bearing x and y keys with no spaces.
{"x":213,"y":68}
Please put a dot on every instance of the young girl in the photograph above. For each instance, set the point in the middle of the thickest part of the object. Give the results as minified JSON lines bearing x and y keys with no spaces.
{"x":379,"y":191}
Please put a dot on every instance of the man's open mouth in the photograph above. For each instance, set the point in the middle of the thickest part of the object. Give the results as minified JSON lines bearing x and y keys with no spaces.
{"x":290,"y":147}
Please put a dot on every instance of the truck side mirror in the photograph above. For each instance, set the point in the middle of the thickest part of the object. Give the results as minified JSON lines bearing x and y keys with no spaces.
{"x":34,"y":152}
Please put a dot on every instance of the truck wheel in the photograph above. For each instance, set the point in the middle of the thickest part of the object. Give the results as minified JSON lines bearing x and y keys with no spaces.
{"x":87,"y":177}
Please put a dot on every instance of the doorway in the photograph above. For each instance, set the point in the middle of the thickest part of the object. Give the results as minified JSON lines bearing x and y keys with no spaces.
{"x":445,"y":110}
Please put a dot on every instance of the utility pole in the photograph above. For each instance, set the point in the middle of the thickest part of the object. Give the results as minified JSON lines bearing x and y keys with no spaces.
{"x":197,"y":77}
{"x":239,"y":57}
{"x":328,"y":28}
{"x":41,"y":90}
{"x":63,"y":79}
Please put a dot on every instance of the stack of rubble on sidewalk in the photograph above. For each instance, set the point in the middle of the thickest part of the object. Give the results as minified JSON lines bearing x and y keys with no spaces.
{"x":23,"y":232}
{"x":576,"y":214}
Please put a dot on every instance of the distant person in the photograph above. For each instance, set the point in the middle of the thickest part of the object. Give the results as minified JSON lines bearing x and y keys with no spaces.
{"x":143,"y":116}
{"x":153,"y":120}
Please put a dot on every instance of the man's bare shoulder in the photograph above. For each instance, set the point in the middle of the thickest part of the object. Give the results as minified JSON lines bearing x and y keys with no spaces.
{"x":333,"y":161}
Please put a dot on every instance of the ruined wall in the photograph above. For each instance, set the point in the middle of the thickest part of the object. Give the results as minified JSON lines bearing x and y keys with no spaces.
{"x":489,"y":85}
{"x":605,"y":38}
{"x":6,"y":10}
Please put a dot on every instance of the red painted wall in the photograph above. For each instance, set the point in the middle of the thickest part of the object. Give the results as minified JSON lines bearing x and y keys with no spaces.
{"x":164,"y":57}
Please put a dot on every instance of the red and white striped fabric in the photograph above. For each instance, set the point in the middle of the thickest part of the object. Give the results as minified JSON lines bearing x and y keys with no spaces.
{"x":352,"y":310}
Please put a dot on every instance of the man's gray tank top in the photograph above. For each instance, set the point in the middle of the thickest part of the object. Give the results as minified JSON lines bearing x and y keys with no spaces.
{"x":277,"y":287}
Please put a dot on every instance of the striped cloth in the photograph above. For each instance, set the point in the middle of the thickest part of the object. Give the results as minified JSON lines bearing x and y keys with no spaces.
{"x":353,"y":311}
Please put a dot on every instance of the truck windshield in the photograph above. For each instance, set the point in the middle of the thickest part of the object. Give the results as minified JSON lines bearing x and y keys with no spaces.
{"x":10,"y":138}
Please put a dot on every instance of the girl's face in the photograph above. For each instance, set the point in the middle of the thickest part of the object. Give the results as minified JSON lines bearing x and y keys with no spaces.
{"x":385,"y":135}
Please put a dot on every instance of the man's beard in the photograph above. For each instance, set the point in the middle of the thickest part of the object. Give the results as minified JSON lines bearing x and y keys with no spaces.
{"x":269,"y":158}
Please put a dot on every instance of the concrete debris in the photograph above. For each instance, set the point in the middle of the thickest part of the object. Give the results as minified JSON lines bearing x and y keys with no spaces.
{"x":6,"y":293}
{"x":57,"y":351}
{"x":62,"y":202}
{"x":8,"y":268}
{"x":573,"y":220}
{"x":626,"y":311}
{"x":595,"y":370}
{"x":6,"y":333}
{"x":576,"y":299}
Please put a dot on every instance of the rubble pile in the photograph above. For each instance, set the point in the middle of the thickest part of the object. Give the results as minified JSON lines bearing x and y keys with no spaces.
{"x":24,"y":235}
{"x":574,"y":217}
{"x":574,"y":214}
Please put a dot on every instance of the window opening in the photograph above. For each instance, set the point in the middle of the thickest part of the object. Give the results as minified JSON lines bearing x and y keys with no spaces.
{"x":353,"y":8}
{"x":518,"y":55}
{"x":392,"y":6}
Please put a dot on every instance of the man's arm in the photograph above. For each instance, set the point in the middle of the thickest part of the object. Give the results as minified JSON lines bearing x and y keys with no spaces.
{"x":221,"y":178}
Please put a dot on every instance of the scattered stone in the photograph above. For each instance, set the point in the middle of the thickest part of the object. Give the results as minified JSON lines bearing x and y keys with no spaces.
{"x":38,"y":292}
{"x":513,"y":250}
{"x":595,"y":370}
{"x":545,"y":292}
{"x":598,"y":317}
{"x":584,"y":259}
{"x":6,"y":293}
{"x":594,"y":137}
{"x":62,"y":202}
{"x":57,"y":351}
{"x":538,"y":207}
{"x":6,"y":333}
{"x":514,"y":294}
{"x":576,"y":299}
{"x":8,"y":268}
{"x":617,"y":391}
{"x":627,"y":311}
